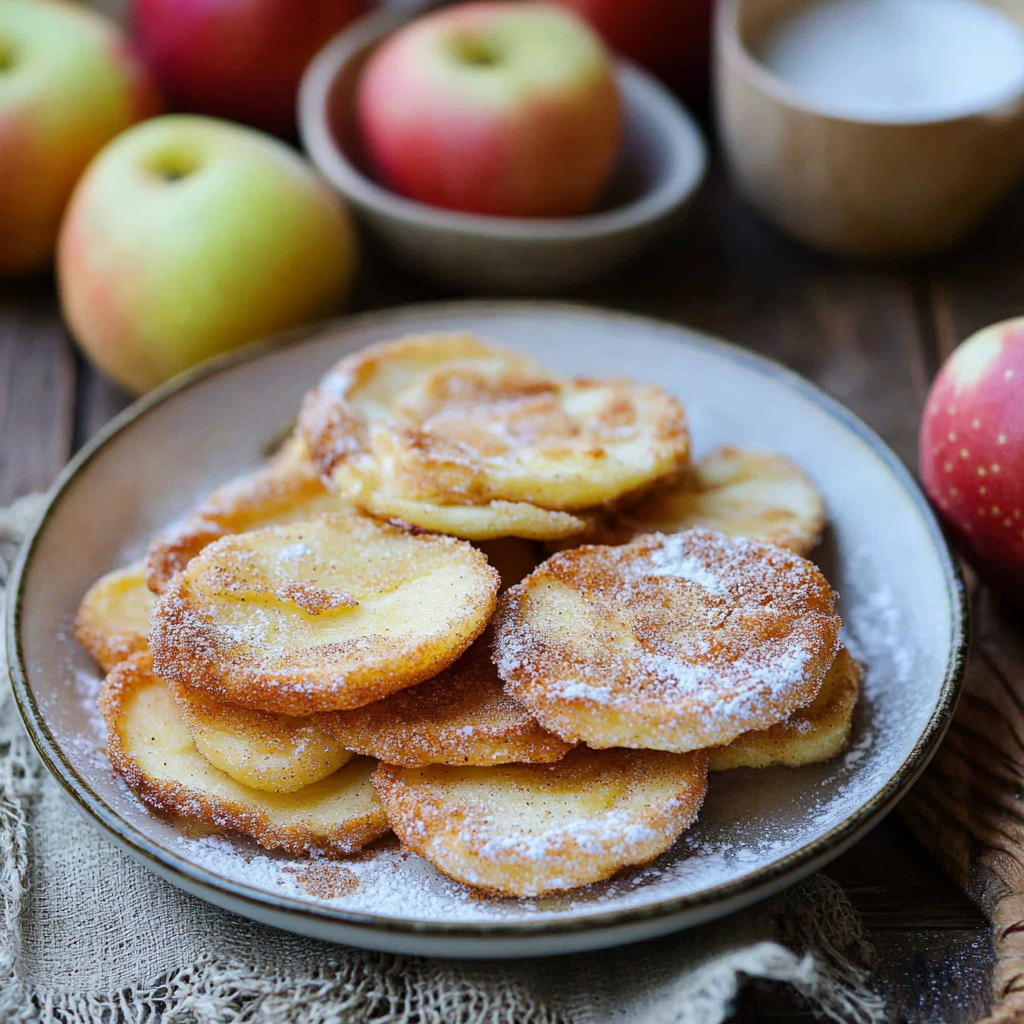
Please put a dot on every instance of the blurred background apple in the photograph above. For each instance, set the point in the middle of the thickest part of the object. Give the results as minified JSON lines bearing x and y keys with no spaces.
{"x":671,"y":38}
{"x":69,"y":82}
{"x":972,"y":451}
{"x":189,"y":236}
{"x":239,"y":59}
{"x":502,"y":108}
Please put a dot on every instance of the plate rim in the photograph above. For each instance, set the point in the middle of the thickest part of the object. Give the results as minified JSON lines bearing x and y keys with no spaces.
{"x":732,"y":894}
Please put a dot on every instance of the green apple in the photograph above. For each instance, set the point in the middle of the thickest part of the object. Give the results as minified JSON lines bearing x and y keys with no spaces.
{"x":189,"y":236}
{"x":68,"y":84}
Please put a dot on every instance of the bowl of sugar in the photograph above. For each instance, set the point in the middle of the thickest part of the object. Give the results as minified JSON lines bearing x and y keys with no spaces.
{"x":872,"y":128}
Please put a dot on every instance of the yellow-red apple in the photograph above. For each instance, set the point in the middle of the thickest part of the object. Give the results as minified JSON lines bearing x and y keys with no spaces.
{"x":972,"y":451}
{"x":499,"y":108}
{"x":239,"y":59}
{"x":69,"y":82}
{"x":189,"y":236}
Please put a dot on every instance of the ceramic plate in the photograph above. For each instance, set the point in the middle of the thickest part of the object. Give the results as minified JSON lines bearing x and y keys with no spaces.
{"x":902,"y":603}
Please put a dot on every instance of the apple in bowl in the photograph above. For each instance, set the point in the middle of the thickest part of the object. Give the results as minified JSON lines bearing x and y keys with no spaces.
{"x":187,"y":237}
{"x":972,"y":452}
{"x":69,"y":82}
{"x":502,"y":108}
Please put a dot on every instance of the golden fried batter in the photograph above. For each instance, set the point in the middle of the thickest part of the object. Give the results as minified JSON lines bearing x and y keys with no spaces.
{"x":113,"y":618}
{"x":461,"y":716}
{"x":439,"y":422}
{"x":671,"y":642}
{"x":150,"y":748}
{"x":320,"y":616}
{"x":739,"y":492}
{"x":523,"y":830}
{"x":272,"y":753}
{"x":288,"y":489}
{"x":810,"y":735}
{"x":371,"y":491}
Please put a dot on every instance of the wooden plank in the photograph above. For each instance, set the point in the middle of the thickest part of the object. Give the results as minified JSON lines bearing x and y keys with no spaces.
{"x":98,"y":401}
{"x":982,"y":283}
{"x":37,"y":388}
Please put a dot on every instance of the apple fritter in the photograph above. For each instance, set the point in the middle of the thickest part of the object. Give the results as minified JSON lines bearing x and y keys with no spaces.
{"x":523,"y":830}
{"x":287,"y":489}
{"x":439,"y":422}
{"x":809,"y":735}
{"x":739,"y":492}
{"x":461,"y":716}
{"x":671,"y":642}
{"x":150,"y":748}
{"x":375,"y":494}
{"x":320,"y":616}
{"x":113,"y":618}
{"x":272,"y":753}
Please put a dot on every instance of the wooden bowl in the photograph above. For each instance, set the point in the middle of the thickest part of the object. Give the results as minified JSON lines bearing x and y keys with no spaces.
{"x":661,"y":165}
{"x":856,"y":187}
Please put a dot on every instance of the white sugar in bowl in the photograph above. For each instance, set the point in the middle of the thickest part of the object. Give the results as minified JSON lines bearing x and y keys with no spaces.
{"x":872,"y":128}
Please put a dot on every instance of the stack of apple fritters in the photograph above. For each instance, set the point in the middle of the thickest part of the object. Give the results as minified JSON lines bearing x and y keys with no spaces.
{"x":358,"y":636}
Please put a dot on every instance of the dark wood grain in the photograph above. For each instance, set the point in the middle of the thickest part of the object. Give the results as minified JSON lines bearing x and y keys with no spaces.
{"x":37,"y":388}
{"x":982,"y":283}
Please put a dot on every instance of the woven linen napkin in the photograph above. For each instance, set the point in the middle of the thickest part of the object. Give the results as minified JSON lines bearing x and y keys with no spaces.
{"x":91,"y":936}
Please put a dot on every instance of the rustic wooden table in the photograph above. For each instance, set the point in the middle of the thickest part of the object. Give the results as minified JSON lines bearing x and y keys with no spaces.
{"x":872,"y":336}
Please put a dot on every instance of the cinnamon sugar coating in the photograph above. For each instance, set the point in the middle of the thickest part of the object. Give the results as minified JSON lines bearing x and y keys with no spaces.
{"x":113,"y":618}
{"x":809,"y":735}
{"x":671,"y":642}
{"x":462,"y":716}
{"x":150,"y":748}
{"x":739,"y":492}
{"x":287,"y":489}
{"x":393,"y":609}
{"x":452,"y":434}
{"x":524,"y":830}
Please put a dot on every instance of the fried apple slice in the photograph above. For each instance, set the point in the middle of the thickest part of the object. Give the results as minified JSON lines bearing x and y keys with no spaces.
{"x":810,"y":735}
{"x":671,"y":642}
{"x":151,"y":749}
{"x":286,"y":490}
{"x":113,"y":618}
{"x":739,"y":492}
{"x":366,"y":487}
{"x":461,"y":716}
{"x":524,"y":830}
{"x":446,"y":421}
{"x":320,"y":616}
{"x":271,"y":753}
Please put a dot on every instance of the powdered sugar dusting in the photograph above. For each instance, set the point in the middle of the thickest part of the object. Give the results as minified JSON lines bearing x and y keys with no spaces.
{"x":671,"y":559}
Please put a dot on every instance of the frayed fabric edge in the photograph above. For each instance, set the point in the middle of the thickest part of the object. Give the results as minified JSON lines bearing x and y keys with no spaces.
{"x":377,"y":988}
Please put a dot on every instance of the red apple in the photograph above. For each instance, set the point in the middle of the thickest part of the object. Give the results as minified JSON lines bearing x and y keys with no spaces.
{"x":68,"y":84}
{"x":671,"y":38}
{"x":239,"y":59}
{"x":972,"y":451}
{"x":509,"y":109}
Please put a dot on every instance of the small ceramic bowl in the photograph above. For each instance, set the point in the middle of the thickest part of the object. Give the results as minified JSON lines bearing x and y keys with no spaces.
{"x":662,"y":163}
{"x":856,"y":187}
